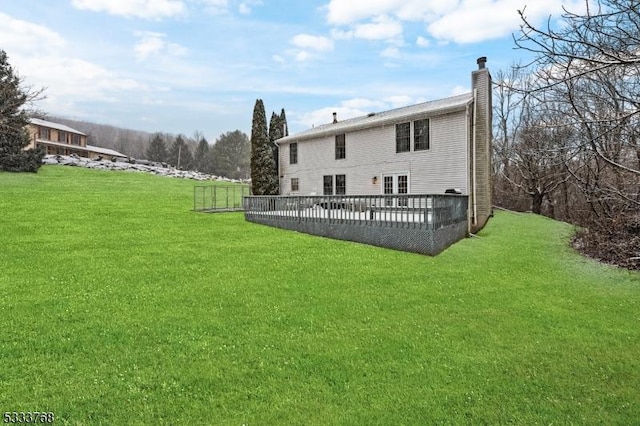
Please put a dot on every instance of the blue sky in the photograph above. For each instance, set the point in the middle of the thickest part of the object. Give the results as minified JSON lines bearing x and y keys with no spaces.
{"x":179,"y":66}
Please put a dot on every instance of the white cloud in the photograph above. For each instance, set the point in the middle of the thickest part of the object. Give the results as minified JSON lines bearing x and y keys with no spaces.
{"x":402,"y":100}
{"x":246,"y":7}
{"x":152,"y":44}
{"x":422,"y":42}
{"x":390,"y":52}
{"x":219,"y":7}
{"x":303,"y":56}
{"x":461,"y":21}
{"x":45,"y":59}
{"x":308,"y":46}
{"x":345,"y":12}
{"x":478,"y":20}
{"x":362,"y":103}
{"x":459,"y":90}
{"x":144,"y":9}
{"x":21,"y":37}
{"x":381,"y":28}
{"x":337,"y":34}
{"x":318,"y":43}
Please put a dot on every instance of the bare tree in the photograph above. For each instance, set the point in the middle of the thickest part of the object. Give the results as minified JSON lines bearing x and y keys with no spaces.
{"x":592,"y":64}
{"x":587,"y":72}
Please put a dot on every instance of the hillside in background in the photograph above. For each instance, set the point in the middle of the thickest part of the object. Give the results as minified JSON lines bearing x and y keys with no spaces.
{"x":132,"y":143}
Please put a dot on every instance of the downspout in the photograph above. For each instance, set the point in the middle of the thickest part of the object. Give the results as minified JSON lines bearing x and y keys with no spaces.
{"x":466,"y":161}
{"x":473,"y":157}
{"x":278,"y":168}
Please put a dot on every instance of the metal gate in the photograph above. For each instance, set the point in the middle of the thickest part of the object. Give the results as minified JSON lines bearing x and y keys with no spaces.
{"x":219,"y":198}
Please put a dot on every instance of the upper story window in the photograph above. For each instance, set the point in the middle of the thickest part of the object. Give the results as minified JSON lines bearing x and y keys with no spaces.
{"x":45,"y":133}
{"x":293,"y":153}
{"x":341,"y":149}
{"x":295,"y":185}
{"x":75,"y":139}
{"x":327,"y":185}
{"x":341,"y":184}
{"x":62,"y":136}
{"x":421,"y":134}
{"x":403,"y":137}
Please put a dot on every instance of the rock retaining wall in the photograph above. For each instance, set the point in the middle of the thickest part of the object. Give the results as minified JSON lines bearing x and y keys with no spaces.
{"x":148,"y":167}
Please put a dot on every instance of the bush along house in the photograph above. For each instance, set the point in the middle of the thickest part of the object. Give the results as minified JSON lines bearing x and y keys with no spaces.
{"x":407,"y":168}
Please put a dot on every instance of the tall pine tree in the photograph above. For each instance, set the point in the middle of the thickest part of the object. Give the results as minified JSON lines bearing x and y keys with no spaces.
{"x":156,"y":151}
{"x":277,"y":129}
{"x":13,"y":123}
{"x":275,"y":133}
{"x":201,"y":156}
{"x":179,"y":154}
{"x":230,"y":155}
{"x":263,"y":164}
{"x":283,"y":122}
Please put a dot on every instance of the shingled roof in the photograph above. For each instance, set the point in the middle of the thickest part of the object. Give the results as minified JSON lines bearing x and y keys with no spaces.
{"x":440,"y":106}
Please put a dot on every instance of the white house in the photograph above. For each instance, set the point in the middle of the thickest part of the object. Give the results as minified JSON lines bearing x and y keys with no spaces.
{"x":427,"y":148}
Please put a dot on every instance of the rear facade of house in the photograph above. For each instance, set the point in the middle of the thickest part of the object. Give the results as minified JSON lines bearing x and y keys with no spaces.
{"x":428,"y":148}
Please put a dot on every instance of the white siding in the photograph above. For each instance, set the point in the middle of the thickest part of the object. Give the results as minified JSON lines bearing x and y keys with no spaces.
{"x":372,"y":152}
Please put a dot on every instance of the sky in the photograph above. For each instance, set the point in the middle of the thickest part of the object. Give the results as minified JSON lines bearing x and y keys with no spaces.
{"x":181,"y":66}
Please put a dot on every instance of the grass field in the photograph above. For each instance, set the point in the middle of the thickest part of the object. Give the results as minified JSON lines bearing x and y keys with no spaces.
{"x":121,"y":306}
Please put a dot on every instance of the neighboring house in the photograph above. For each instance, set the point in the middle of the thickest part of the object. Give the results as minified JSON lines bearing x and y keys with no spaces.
{"x":427,"y":148}
{"x":58,"y":139}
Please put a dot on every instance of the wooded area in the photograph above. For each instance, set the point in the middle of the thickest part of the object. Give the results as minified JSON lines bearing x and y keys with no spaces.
{"x":567,"y":128}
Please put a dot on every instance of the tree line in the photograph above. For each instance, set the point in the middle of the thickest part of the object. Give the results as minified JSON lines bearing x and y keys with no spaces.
{"x":567,"y":127}
{"x":228,"y":156}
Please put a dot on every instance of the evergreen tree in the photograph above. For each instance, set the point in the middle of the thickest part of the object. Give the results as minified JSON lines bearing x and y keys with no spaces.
{"x":276,"y":131}
{"x":263,"y":180}
{"x":179,"y":154}
{"x":156,"y":151}
{"x":201,"y":156}
{"x":13,"y":121}
{"x":230,"y":155}
{"x":283,"y":122}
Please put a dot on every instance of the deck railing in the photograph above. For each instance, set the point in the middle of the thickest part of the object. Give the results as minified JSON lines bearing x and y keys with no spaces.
{"x":407,"y":210}
{"x":418,"y":223}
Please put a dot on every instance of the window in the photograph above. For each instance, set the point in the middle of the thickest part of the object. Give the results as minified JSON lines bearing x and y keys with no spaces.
{"x":341,"y":149}
{"x":403,"y":137}
{"x":293,"y":153}
{"x":341,"y":184}
{"x":387,"y":187}
{"x":328,"y":185}
{"x":421,"y":134}
{"x":75,"y":139}
{"x":45,"y":133}
{"x":403,"y":188}
{"x":295,"y":185}
{"x":62,"y":136}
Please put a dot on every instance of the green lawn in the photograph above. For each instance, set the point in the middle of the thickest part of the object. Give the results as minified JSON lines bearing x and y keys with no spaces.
{"x":119,"y":305}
